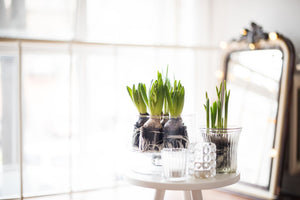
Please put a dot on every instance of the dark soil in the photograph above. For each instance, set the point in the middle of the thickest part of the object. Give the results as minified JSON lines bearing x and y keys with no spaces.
{"x":137,"y":129}
{"x":223,"y":158}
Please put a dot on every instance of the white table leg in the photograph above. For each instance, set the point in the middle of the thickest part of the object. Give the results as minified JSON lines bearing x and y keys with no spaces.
{"x":187,"y":195}
{"x":197,"y":195}
{"x":159,"y":194}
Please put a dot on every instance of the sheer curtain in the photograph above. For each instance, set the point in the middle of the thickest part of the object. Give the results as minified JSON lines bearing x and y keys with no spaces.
{"x":65,"y":116}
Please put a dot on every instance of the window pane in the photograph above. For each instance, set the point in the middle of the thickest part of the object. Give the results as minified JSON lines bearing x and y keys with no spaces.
{"x":37,"y":18}
{"x":132,"y":21}
{"x":148,"y":21}
{"x":116,"y":21}
{"x":45,"y":119}
{"x":9,"y":122}
{"x":94,"y":118}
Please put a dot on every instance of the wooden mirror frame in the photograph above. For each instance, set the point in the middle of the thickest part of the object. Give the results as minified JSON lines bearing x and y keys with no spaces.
{"x":294,"y":161}
{"x":257,"y":39}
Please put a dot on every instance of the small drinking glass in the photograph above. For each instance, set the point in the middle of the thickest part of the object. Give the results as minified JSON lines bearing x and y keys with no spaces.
{"x":174,"y":163}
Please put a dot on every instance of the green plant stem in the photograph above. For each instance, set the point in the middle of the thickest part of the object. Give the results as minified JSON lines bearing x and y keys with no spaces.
{"x":227,"y":95}
{"x":215,"y":112}
{"x":219,"y":111}
{"x":167,"y":86}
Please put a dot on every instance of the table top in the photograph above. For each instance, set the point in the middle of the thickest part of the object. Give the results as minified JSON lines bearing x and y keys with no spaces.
{"x":158,"y":182}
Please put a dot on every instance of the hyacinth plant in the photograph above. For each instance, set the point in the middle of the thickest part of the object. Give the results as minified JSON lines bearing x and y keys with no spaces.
{"x":214,"y":113}
{"x":151,"y":137}
{"x":137,"y":99}
{"x":217,"y":131}
{"x":175,"y":134}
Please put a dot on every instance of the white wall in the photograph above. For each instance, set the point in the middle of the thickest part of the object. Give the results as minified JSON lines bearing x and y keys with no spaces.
{"x":229,"y":16}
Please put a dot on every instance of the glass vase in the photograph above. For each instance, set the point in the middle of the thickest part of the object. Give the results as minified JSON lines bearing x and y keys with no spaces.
{"x":226,"y":141}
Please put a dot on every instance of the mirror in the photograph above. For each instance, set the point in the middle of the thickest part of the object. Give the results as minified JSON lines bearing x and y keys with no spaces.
{"x":254,"y":78}
{"x":258,"y":69}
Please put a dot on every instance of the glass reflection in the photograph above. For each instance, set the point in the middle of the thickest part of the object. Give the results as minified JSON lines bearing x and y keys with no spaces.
{"x":254,"y":76}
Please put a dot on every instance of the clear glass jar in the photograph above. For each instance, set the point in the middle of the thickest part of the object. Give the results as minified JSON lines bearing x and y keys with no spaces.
{"x":226,"y":141}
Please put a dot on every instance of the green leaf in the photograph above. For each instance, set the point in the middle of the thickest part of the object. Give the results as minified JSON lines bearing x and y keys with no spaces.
{"x":175,"y":97}
{"x":169,"y":101}
{"x":227,"y":95}
{"x":142,"y":105}
{"x":156,"y":96}
{"x":168,"y":97}
{"x":129,"y":90}
{"x":217,"y":90}
{"x":137,"y":98}
{"x":219,"y":111}
{"x":213,"y":110}
{"x":167,"y":86}
{"x":142,"y":90}
{"x":216,"y":110}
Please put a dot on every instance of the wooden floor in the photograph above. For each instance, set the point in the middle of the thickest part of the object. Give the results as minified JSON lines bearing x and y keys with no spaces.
{"x":217,"y":195}
{"x":139,"y":193}
{"x":207,"y":194}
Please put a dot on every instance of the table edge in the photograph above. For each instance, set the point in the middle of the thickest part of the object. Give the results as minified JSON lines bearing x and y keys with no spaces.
{"x":195,"y":184}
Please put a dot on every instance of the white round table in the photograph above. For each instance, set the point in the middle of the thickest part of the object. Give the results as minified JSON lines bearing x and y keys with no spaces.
{"x":192,"y":187}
